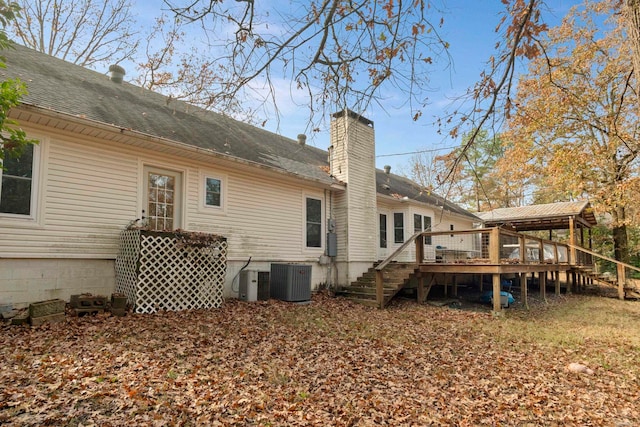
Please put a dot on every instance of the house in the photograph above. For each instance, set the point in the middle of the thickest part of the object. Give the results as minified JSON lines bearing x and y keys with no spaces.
{"x":110,"y":153}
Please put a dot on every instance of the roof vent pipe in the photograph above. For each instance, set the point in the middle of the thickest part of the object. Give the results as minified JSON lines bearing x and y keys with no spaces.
{"x":387,"y":169}
{"x":116,"y":73}
{"x":302,"y":138}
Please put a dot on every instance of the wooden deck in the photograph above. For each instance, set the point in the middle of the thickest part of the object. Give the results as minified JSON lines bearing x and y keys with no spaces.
{"x":495,"y":252}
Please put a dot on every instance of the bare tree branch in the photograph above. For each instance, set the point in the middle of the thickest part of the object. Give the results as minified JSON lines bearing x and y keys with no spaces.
{"x":85,"y":32}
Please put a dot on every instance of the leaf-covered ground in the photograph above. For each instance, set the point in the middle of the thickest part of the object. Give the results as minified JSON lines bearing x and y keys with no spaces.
{"x":328,"y":363}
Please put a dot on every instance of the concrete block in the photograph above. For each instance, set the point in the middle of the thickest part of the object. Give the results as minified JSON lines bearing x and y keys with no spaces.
{"x":118,"y":301}
{"x":46,"y":308}
{"x":51,"y":318}
{"x":88,"y":301}
{"x":21,"y":318}
{"x":91,"y":311}
{"x":120,"y":312}
{"x":9,"y":314}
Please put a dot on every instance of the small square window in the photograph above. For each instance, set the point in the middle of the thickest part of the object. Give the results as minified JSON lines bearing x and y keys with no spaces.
{"x":213,"y":192}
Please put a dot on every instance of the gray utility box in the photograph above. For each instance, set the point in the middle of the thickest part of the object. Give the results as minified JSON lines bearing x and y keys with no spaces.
{"x":254,"y":285}
{"x":291,"y":282}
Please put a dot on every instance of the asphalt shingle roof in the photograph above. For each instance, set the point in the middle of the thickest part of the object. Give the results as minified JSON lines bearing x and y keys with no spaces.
{"x":398,"y":187}
{"x":63,"y":87}
{"x":67,"y":88}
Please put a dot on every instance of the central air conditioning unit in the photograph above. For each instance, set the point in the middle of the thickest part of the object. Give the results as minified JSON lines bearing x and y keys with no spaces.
{"x":254,"y":285}
{"x":291,"y":282}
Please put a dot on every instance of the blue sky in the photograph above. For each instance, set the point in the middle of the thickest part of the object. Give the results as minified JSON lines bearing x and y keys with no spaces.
{"x":469,"y":28}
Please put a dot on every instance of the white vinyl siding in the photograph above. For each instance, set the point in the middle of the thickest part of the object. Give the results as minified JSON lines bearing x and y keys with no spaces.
{"x":92,"y":192}
{"x":264,"y":218}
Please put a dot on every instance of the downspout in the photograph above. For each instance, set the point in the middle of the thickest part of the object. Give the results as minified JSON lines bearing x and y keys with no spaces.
{"x":326,"y":249}
{"x":333,"y":266}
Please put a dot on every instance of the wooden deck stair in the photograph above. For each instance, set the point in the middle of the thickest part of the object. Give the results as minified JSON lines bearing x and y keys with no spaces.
{"x":608,"y":280}
{"x":363,"y":291}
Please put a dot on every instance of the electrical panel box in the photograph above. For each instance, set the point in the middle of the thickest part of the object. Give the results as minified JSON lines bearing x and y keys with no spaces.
{"x":254,"y":285}
{"x":332,"y":244}
{"x":291,"y":282}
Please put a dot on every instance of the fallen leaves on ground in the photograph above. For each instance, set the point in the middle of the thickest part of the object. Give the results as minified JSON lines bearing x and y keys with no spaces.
{"x":326,"y":363}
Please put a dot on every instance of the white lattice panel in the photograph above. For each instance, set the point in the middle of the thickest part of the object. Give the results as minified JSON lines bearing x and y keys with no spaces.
{"x":126,"y":264}
{"x":172,"y":276}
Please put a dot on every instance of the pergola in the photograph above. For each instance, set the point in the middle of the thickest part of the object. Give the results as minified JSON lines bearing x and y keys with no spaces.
{"x":572,"y":216}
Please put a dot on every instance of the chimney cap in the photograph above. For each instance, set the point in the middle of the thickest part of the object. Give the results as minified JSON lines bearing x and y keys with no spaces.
{"x":387,"y":169}
{"x":352,"y":114}
{"x":116,"y":73}
{"x":302,"y":138}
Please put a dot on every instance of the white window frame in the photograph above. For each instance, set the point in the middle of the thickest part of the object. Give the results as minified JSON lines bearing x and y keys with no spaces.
{"x":36,"y":170}
{"x":423,"y":226}
{"x":223,"y":192}
{"x":404,"y":228}
{"x":322,"y":221}
{"x":179,"y":205}
{"x":386,"y":230}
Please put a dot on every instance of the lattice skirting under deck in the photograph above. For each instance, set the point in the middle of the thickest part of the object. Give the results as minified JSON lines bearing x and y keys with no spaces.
{"x":157,"y":271}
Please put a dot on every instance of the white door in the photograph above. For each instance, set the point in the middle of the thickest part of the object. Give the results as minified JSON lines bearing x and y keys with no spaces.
{"x":163,"y":198}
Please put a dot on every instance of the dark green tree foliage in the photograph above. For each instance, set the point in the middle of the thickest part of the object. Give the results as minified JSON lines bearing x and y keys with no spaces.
{"x":12,"y":139}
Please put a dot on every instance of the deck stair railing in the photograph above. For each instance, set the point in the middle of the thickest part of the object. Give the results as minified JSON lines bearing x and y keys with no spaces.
{"x":627,"y":287}
{"x":379,"y":269}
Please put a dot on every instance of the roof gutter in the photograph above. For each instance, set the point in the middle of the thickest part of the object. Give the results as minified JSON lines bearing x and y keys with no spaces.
{"x":156,"y":140}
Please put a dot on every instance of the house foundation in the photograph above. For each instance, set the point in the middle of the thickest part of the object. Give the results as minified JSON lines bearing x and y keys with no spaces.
{"x":23,"y":280}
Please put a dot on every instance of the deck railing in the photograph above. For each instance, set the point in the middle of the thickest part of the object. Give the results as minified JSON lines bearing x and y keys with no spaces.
{"x":489,"y":246}
{"x":622,"y":276}
{"x":485,"y":246}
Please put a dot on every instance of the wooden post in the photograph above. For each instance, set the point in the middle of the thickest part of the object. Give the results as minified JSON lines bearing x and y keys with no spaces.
{"x":621,"y":280}
{"x":454,"y":281}
{"x":556,"y":261}
{"x":419,"y":249}
{"x":542,"y":280}
{"x":446,"y":292}
{"x":431,"y":283}
{"x":420,"y":293}
{"x":523,"y":250}
{"x":572,"y":240}
{"x":379,"y":289}
{"x":571,"y":280}
{"x":524,"y":292}
{"x":494,"y":247}
{"x":541,"y":253}
{"x":497,"y":307}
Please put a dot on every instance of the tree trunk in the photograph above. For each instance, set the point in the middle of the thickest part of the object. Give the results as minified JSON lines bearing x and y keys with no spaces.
{"x":620,"y":241}
{"x":631,"y":11}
